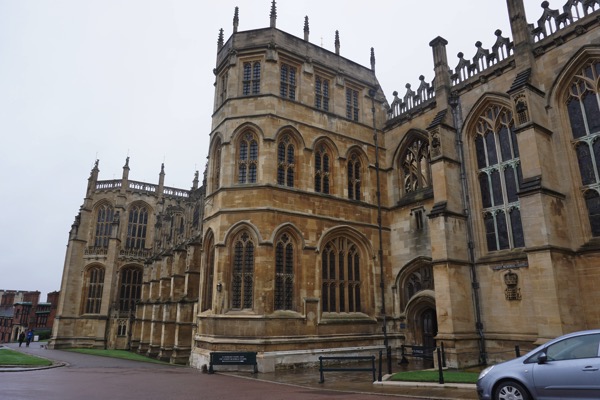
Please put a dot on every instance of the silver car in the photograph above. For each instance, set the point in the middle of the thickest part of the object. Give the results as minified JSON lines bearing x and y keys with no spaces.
{"x":565,"y":368}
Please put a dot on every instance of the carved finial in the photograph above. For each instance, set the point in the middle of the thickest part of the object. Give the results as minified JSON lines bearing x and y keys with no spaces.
{"x":337,"y":42}
{"x":306,"y":29}
{"x":273,"y":14}
{"x":220,"y":41}
{"x":372,"y":59}
{"x":96,"y":164}
{"x":195,"y":181}
{"x":126,"y":162}
{"x":162,"y":168}
{"x":236,"y":20}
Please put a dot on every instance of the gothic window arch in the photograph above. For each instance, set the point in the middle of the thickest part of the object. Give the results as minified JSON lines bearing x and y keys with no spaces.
{"x":216,"y":171}
{"x":340,"y":270}
{"x":94,"y":287}
{"x":247,"y":158}
{"x":286,"y":161}
{"x":322,"y":169}
{"x":104,"y":218}
{"x":499,"y":175}
{"x":209,"y":271}
{"x":242,"y":279}
{"x":416,"y":281}
{"x":354,"y":177}
{"x":177,"y":226}
{"x":415,"y":170}
{"x":284,"y":273}
{"x":137,"y":225}
{"x":583,"y":108}
{"x":131,"y":288}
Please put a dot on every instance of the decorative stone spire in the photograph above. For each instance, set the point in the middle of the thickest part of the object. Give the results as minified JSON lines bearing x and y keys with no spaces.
{"x":196,"y":179}
{"x":273,"y":14}
{"x":161,"y":179}
{"x":220,"y":40}
{"x":372,"y":59}
{"x":337,"y":42}
{"x":93,"y":179}
{"x":306,"y":30}
{"x":236,"y":19}
{"x":126,"y":169}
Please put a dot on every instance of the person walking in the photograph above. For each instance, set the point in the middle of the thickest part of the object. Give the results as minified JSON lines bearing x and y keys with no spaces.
{"x":21,"y":338}
{"x":29,"y":337}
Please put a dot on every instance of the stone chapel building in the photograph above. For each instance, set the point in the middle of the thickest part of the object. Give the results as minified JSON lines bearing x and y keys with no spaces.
{"x":465,"y":212}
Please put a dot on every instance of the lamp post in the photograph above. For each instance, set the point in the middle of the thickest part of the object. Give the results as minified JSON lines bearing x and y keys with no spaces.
{"x":380,"y":252}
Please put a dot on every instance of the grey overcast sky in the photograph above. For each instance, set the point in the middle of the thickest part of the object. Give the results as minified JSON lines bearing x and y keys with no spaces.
{"x":82,"y":80}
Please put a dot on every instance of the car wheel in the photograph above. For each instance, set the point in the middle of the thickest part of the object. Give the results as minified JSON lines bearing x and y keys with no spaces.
{"x":511,"y":390}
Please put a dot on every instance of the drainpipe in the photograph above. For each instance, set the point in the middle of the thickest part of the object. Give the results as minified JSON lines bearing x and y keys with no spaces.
{"x":372,"y":93}
{"x":454,"y":102}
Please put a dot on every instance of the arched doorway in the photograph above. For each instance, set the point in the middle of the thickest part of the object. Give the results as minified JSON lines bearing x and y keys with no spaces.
{"x":428,"y":323}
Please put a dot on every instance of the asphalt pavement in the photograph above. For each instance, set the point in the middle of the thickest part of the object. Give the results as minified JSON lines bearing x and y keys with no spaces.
{"x":76,"y":376}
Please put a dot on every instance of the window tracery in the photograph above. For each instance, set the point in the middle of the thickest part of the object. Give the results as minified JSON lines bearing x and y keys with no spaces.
{"x":354,"y":177}
{"x":137,"y":227}
{"x":95,"y":286}
{"x":251,"y":78}
{"x":287,"y":87}
{"x":131,"y":288}
{"x":322,"y":93}
{"x":104,"y":219}
{"x":340,"y":269}
{"x":207,"y":293}
{"x":285,"y":161}
{"x":322,"y":170}
{"x":583,"y":108}
{"x":416,"y":172}
{"x":248,"y":159}
{"x":243,"y":272}
{"x":284,"y":273}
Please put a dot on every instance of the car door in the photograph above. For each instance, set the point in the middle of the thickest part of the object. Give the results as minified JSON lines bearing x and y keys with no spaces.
{"x":572,"y":370}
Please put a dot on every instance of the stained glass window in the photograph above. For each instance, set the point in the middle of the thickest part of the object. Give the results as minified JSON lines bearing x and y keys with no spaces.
{"x":340,"y":269}
{"x":242,"y":284}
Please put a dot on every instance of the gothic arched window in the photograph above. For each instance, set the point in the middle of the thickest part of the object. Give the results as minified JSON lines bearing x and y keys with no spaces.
{"x":340,"y":269}
{"x":136,"y":227}
{"x":322,"y":170}
{"x":284,"y":273}
{"x":131,"y":288}
{"x":583,"y":107}
{"x":415,"y":169}
{"x":242,"y":284}
{"x":354,"y":177}
{"x":216,"y":180}
{"x":209,"y":271}
{"x":104,"y":219}
{"x":94,"y":288}
{"x":499,"y":177}
{"x":418,"y":280}
{"x":285,"y":161}
{"x":247,"y":158}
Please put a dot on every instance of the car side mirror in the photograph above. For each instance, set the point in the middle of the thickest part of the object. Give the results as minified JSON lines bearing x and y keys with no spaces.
{"x":542,"y":358}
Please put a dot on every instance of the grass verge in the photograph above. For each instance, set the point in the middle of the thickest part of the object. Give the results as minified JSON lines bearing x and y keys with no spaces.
{"x":123,"y":354}
{"x":16,"y":358}
{"x":433,"y":376}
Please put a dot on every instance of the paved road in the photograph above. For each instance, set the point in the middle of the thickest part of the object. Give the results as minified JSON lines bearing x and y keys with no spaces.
{"x":88,"y":377}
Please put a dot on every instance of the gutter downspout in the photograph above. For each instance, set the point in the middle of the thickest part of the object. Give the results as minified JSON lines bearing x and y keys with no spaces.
{"x":454,"y":102}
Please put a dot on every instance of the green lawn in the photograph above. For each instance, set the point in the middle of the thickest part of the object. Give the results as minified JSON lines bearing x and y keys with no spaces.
{"x":12,"y":357}
{"x":433,"y":376}
{"x":124,"y":354}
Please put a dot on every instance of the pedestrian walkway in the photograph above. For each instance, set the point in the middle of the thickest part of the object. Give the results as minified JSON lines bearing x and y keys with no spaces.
{"x":353,"y":382}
